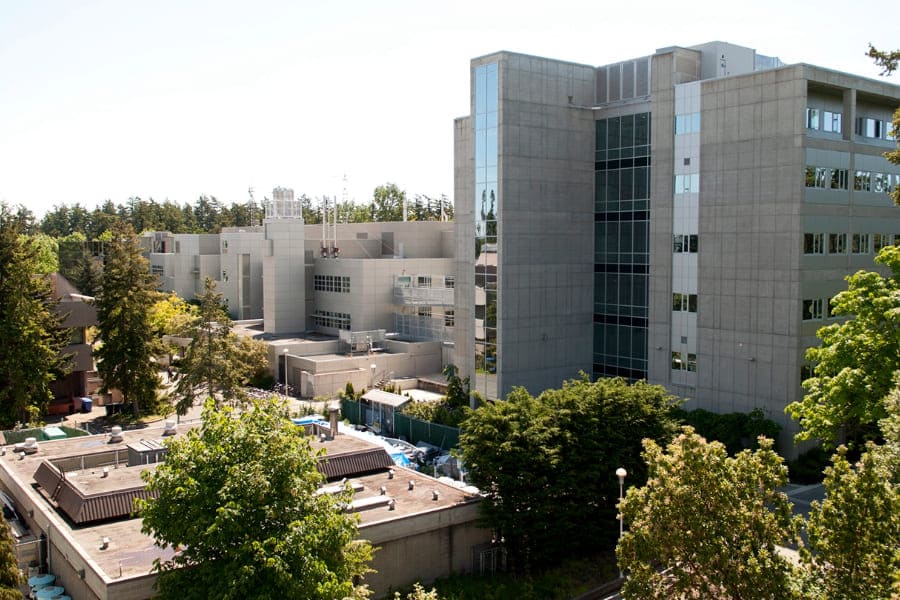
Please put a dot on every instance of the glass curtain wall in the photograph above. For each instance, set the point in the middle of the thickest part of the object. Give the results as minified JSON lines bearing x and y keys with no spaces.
{"x":621,"y":246}
{"x":487,"y":206}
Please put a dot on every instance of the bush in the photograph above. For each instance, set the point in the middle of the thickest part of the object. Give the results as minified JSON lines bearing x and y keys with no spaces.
{"x":809,"y":467}
{"x":738,"y":431}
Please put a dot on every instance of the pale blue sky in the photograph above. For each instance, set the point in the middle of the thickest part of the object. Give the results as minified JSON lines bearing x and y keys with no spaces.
{"x":172,"y":99}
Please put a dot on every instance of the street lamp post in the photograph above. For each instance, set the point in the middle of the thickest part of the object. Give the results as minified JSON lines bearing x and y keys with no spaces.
{"x":621,"y":473}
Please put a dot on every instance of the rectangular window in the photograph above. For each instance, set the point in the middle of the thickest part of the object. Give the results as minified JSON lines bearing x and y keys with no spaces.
{"x":449,"y":281}
{"x":677,"y":363}
{"x":686,"y":184}
{"x":423,"y":281}
{"x":448,"y":318}
{"x":831,"y":121}
{"x":424,"y":311}
{"x":829,"y":306}
{"x":812,"y":309}
{"x":156,"y":270}
{"x":684,"y":302}
{"x":692,"y":362}
{"x":878,"y":182}
{"x":837,"y":243}
{"x":684,"y":243}
{"x":687,"y":123}
{"x":862,"y":181}
{"x":806,"y":371}
{"x":677,"y":243}
{"x":879,"y":241}
{"x":814,"y":243}
{"x":812,"y":118}
{"x":860,"y":243}
{"x":839,"y":179}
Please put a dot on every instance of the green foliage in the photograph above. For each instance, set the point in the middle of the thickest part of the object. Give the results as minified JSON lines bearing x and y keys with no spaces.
{"x":855,"y":531}
{"x":47,"y":253}
{"x":738,"y":431}
{"x":387,"y":203}
{"x":705,"y":525}
{"x":129,"y":341}
{"x":172,"y":315}
{"x":250,"y":524}
{"x":217,"y":363}
{"x":437,"y":412}
{"x":856,"y":362}
{"x":30,"y":328}
{"x":10,"y":576}
{"x":457,"y":388}
{"x":418,"y":593}
{"x":546,"y":464}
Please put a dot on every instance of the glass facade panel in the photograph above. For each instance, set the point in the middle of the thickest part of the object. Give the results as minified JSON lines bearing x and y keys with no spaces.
{"x":621,"y":247}
{"x":487,"y":209}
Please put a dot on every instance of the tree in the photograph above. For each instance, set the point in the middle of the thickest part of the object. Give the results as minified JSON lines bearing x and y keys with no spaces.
{"x":172,"y":315}
{"x":10,"y":576}
{"x":888,"y":61}
{"x":129,"y":342}
{"x":30,"y":328}
{"x":546,"y":463}
{"x":47,"y":253}
{"x":706,"y":525}
{"x":855,"y":365}
{"x":251,"y":524}
{"x":855,"y":532}
{"x":457,"y":388}
{"x":387,"y":203}
{"x":216,"y":364}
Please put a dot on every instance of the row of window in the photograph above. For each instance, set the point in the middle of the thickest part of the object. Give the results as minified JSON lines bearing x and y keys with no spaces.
{"x":687,"y":123}
{"x":688,"y":183}
{"x":838,"y":179}
{"x":324,"y":318}
{"x":685,"y":243}
{"x":331,"y":283}
{"x":874,"y":128}
{"x":860,"y":243}
{"x":684,"y":361}
{"x":825,"y":120}
{"x":684,"y":302}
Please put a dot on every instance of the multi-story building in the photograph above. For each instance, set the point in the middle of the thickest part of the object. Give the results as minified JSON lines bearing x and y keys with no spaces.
{"x":683,"y":217}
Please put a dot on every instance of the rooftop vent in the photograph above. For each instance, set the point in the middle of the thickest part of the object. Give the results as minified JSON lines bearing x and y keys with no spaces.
{"x":115,"y":434}
{"x":170,"y":428}
{"x":412,"y":484}
{"x":435,"y":495}
{"x":29,"y":446}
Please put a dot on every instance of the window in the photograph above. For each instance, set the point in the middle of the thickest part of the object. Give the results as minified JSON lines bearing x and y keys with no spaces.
{"x":831,"y":121}
{"x":812,"y":309}
{"x":331,"y":283}
{"x":839,"y":179}
{"x":879,"y":241}
{"x":687,"y":123}
{"x":684,"y":243}
{"x":812,"y":118}
{"x":684,"y":361}
{"x":862,"y":181}
{"x":685,"y":184}
{"x":449,"y":281}
{"x":829,"y":307}
{"x":837,"y":243}
{"x":878,"y":182}
{"x":806,"y":371}
{"x":157,"y":270}
{"x":860,"y":243}
{"x":423,"y":311}
{"x":684,"y":302}
{"x":448,"y":318}
{"x":324,"y":318}
{"x":404,"y":282}
{"x":423,"y":281}
{"x":873,"y":128}
{"x":814,"y":243}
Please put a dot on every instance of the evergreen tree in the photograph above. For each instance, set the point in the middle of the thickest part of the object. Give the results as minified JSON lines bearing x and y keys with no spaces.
{"x":123,"y":314}
{"x":215,"y":364}
{"x":30,"y":329}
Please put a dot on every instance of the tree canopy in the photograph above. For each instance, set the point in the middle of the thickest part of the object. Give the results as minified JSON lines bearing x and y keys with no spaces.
{"x":216,"y":363}
{"x":706,"y":525}
{"x":855,"y":364}
{"x":250,"y":524}
{"x":30,"y":328}
{"x":129,"y":344}
{"x":545,"y":463}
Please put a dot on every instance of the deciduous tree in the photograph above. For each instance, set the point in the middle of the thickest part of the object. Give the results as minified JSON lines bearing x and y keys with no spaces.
{"x":10,"y":576}
{"x":855,"y":364}
{"x":30,"y":328}
{"x":706,"y":525}
{"x":129,"y":342}
{"x":237,"y":500}
{"x":546,"y":465}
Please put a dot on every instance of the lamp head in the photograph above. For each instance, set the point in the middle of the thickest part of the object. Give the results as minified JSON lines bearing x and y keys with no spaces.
{"x":621,"y":473}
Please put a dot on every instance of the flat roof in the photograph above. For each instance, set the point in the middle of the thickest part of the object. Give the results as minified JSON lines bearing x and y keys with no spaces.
{"x":131,"y":553}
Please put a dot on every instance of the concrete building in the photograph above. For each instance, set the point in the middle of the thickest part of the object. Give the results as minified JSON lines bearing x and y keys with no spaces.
{"x":683,"y":217}
{"x":72,"y":501}
{"x":359,"y":302}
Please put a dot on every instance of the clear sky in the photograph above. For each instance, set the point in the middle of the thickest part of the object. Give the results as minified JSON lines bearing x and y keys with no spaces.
{"x":107,"y":99}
